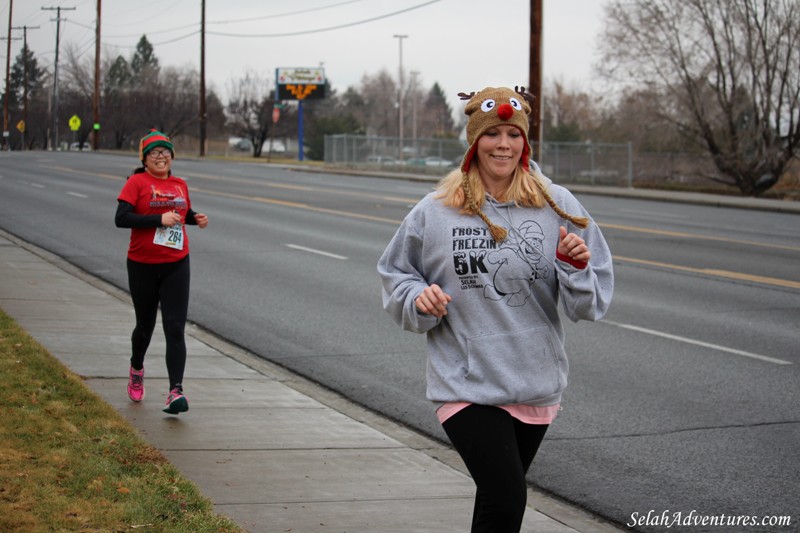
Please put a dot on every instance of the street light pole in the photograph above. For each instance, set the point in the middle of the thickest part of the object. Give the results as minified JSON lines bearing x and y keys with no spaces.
{"x":202,"y":116}
{"x":400,"y":94}
{"x":414,"y":75}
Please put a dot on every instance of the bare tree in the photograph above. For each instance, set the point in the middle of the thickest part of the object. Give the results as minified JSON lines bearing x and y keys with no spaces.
{"x":117,"y":107}
{"x":77,"y":90}
{"x":570,"y":114}
{"x":379,"y":94}
{"x":726,"y":71}
{"x":249,"y":109}
{"x":177,"y":106}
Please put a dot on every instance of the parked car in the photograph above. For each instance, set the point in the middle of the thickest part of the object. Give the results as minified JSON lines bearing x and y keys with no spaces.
{"x":74,"y":147}
{"x":415,"y":162}
{"x":382,"y":160}
{"x":598,"y":173}
{"x":238,"y":143}
{"x":434,"y":161}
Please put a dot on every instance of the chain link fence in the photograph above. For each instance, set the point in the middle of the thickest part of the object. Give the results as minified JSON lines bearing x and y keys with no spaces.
{"x":591,"y":163}
{"x":426,"y":156}
{"x":588,"y":163}
{"x":585,"y":163}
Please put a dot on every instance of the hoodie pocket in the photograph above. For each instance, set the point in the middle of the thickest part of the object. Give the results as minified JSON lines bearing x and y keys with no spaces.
{"x":516,"y":367}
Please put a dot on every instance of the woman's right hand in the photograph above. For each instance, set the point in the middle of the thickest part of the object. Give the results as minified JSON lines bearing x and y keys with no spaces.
{"x":433,"y":301}
{"x":170,"y":218}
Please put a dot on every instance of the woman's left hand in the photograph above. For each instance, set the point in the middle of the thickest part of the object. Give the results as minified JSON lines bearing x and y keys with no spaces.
{"x":201,"y":219}
{"x":572,"y":246}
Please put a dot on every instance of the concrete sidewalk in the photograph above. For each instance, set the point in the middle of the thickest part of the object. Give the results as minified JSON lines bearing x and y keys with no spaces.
{"x":273,"y":451}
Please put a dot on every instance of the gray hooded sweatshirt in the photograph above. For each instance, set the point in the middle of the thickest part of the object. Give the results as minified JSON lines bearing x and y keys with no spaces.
{"x":501,"y":341}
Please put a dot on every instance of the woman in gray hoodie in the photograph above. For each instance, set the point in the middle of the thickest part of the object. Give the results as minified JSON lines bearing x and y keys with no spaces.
{"x":480,"y":265}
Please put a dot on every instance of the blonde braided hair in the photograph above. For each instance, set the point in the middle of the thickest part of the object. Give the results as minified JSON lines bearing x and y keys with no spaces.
{"x":456,"y":190}
{"x":581,"y":222}
{"x":499,"y":233}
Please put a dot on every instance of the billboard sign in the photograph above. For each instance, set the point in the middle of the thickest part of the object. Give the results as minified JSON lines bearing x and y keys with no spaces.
{"x":300,"y":83}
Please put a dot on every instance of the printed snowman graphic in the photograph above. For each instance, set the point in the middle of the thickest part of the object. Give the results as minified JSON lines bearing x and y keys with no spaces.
{"x":512,"y":281}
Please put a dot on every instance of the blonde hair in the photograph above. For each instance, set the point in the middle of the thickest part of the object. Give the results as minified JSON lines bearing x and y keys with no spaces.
{"x":465,"y":191}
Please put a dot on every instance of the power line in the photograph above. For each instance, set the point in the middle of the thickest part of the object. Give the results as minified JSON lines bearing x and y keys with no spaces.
{"x":320,"y":30}
{"x":54,"y":133}
{"x":288,"y":14}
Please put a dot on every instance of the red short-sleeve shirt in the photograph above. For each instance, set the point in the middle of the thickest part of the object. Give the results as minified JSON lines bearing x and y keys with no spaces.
{"x":153,"y":196}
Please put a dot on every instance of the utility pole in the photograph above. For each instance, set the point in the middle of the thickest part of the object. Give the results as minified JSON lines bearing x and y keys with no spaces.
{"x":25,"y":53}
{"x":535,"y":79}
{"x":54,"y":133}
{"x":400,"y":94}
{"x":6,"y":133}
{"x":203,"y":79}
{"x":96,"y":95}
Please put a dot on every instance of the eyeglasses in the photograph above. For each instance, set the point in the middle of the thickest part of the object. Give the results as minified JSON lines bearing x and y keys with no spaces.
{"x":155,"y":154}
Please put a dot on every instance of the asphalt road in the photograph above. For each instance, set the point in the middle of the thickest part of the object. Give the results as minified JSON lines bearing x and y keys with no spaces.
{"x":684,"y":399}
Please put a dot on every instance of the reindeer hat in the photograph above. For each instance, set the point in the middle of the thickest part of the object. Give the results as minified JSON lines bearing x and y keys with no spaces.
{"x":496,"y":106}
{"x":492,"y":107}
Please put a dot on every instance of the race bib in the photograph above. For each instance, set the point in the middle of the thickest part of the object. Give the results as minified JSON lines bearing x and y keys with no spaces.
{"x":171,"y":237}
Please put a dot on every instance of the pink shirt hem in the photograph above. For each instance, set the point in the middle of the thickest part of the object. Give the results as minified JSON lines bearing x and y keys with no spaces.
{"x":527,"y":414}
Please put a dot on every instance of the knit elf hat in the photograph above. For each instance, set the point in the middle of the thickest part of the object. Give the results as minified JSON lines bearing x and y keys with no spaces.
{"x":153,"y":139}
{"x":497,"y":106}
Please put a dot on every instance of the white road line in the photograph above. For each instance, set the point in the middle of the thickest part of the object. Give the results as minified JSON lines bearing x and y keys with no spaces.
{"x":38,"y":186}
{"x":318,"y":252}
{"x":79,"y":195}
{"x":699,"y":343}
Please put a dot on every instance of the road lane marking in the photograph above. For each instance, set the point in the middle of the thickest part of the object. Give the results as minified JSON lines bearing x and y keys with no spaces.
{"x":715,"y":272}
{"x":698,"y":343}
{"x":651,"y":214}
{"x":681,"y":234}
{"x":307,"y":207}
{"x":79,"y":195}
{"x":708,"y":272}
{"x":315,"y":251}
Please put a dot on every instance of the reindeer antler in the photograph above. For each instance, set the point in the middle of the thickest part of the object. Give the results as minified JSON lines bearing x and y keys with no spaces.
{"x":466,"y":96}
{"x":520,"y":90}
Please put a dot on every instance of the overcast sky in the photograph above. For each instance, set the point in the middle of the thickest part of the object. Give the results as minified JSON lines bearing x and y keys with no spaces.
{"x":464,"y":45}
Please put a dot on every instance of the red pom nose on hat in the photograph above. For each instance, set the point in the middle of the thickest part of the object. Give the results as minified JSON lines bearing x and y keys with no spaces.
{"x":505,"y":111}
{"x":495,"y":106}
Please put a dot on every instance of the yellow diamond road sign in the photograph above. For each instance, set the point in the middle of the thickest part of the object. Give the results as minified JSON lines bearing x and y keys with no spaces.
{"x":74,"y":123}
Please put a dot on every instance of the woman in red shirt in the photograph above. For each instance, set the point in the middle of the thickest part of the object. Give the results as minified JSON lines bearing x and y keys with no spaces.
{"x":156,"y":206}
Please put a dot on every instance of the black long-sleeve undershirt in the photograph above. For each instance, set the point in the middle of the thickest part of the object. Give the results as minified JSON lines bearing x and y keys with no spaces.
{"x":127,"y":218}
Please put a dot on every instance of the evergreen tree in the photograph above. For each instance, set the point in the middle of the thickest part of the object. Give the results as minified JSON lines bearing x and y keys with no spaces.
{"x":438,"y":116}
{"x":119,"y":75}
{"x":35,"y":78}
{"x":37,"y":121}
{"x":144,"y":64}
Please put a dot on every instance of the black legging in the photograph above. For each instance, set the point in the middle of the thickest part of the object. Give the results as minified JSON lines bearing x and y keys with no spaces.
{"x":168,"y":284}
{"x":497,"y":449}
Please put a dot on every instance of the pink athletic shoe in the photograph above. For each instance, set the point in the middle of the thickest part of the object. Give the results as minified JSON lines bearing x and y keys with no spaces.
{"x":136,"y":385}
{"x":176,"y":402}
